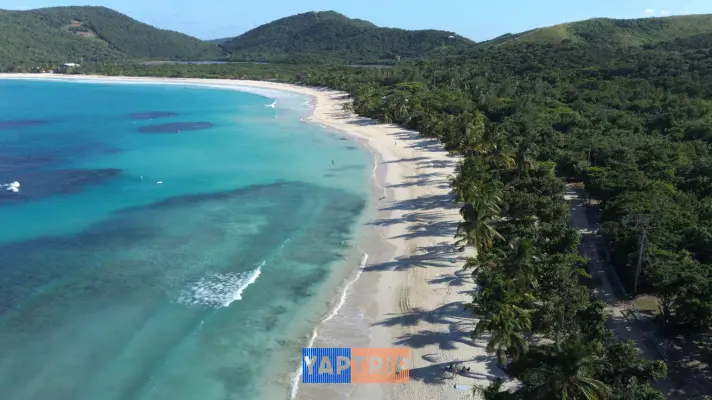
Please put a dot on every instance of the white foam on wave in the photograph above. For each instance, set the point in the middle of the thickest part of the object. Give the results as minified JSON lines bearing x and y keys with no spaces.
{"x":297,"y":375}
{"x":374,"y":175}
{"x":12,"y":186}
{"x":219,"y":289}
{"x":273,"y":105}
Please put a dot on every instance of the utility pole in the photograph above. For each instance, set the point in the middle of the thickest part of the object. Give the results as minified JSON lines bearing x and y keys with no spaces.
{"x":639,"y":223}
{"x":640,"y":261}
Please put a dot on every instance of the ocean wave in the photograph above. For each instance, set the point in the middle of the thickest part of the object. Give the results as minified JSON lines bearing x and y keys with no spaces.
{"x":12,"y":186}
{"x":219,"y":289}
{"x":273,"y":105}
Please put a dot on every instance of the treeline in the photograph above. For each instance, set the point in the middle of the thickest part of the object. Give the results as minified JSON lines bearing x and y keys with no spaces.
{"x":633,"y":124}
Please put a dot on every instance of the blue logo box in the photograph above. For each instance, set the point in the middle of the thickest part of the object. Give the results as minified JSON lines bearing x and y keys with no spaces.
{"x":325,"y":359}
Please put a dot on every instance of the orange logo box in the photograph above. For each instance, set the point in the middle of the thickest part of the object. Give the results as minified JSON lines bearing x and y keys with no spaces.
{"x":380,"y":365}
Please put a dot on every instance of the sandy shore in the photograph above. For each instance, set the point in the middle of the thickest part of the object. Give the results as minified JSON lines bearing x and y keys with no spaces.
{"x":413,"y":294}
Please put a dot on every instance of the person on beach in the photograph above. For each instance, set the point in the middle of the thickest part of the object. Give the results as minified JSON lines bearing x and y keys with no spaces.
{"x":453,"y":369}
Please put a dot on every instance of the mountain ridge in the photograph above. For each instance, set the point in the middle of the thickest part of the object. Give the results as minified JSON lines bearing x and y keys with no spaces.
{"x":334,"y":36}
{"x":86,"y":33}
{"x":75,"y":33}
{"x":611,"y":31}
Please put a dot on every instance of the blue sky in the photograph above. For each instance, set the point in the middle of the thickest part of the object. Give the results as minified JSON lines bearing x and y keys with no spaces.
{"x":476,"y":19}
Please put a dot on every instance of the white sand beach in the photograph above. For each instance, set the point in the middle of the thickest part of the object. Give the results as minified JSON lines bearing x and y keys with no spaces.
{"x":415,"y":296}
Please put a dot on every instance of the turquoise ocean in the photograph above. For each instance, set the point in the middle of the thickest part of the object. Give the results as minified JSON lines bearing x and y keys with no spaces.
{"x":166,"y":241}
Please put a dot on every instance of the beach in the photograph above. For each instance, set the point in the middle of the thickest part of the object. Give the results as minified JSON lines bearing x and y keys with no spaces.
{"x":411,"y":288}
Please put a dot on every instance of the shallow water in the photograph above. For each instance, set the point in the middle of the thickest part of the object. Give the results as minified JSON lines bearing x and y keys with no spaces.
{"x":169,"y":264}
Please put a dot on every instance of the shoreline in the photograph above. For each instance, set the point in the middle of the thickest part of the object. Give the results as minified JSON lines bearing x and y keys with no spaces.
{"x":417,"y":292}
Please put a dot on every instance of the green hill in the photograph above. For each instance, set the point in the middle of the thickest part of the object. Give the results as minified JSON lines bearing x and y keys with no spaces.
{"x":332,"y":36}
{"x":612,"y":32}
{"x":69,"y":34}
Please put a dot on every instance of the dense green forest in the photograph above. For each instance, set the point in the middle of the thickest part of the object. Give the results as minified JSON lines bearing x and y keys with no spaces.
{"x":72,"y":34}
{"x":631,"y":120}
{"x":330,"y":36}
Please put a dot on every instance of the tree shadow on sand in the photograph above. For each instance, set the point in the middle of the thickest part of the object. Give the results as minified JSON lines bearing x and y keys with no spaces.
{"x":453,"y":326}
{"x":459,"y":278}
{"x":437,"y":163}
{"x":438,"y":373}
{"x":414,"y":261}
{"x":417,"y":142}
{"x":432,"y":202}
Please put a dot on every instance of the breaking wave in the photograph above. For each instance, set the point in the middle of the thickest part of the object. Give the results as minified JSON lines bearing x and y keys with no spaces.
{"x":219,"y":289}
{"x":12,"y":187}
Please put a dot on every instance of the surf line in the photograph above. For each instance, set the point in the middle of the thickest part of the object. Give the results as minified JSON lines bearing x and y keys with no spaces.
{"x":375,"y":177}
{"x":332,"y":314}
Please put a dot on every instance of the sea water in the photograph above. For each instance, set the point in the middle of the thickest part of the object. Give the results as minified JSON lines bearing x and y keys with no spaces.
{"x":165,"y":241}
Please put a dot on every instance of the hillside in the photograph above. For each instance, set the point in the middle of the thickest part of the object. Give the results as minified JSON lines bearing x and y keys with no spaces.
{"x":612,"y":32}
{"x":69,"y":34}
{"x":332,"y":36}
{"x":219,"y":41}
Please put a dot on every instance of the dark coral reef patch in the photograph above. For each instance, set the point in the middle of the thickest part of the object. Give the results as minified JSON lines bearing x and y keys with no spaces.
{"x":175,"y":127}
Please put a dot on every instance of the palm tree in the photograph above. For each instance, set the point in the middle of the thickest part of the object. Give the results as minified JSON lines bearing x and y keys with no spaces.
{"x":521,"y":262}
{"x":498,"y":307}
{"x":484,"y":262}
{"x":507,"y":327}
{"x":524,"y":158}
{"x":501,"y":156}
{"x":496,"y":148}
{"x":464,"y":187}
{"x":476,"y":230}
{"x":564,"y":371}
{"x":472,"y":132}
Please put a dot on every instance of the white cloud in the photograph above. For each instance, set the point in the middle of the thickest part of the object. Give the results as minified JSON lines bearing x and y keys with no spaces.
{"x":649,"y":11}
{"x":664,"y":13}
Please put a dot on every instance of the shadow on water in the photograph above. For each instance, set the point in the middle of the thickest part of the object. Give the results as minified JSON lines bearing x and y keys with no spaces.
{"x":39,"y":184}
{"x":152,"y":115}
{"x":20,"y":123}
{"x":176,"y":127}
{"x":12,"y":162}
